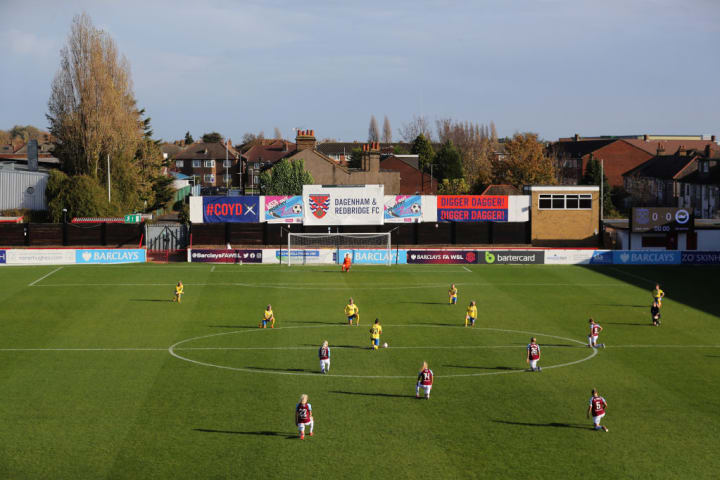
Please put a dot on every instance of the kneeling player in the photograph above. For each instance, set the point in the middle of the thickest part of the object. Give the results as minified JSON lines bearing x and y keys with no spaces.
{"x":425,"y":379}
{"x":655,"y":314}
{"x":595,"y":330}
{"x":178,"y":292}
{"x":347,"y":262}
{"x":375,"y":332}
{"x":268,"y":316}
{"x":597,"y":408}
{"x":353,"y":313}
{"x":452,"y":293}
{"x":471,"y":314}
{"x":304,"y":416}
{"x":324,"y":355}
{"x":533,"y":355}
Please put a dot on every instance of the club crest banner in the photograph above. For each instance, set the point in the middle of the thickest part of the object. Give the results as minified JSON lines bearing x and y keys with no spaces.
{"x":283,"y":209}
{"x":343,"y":205}
{"x":403,"y":208}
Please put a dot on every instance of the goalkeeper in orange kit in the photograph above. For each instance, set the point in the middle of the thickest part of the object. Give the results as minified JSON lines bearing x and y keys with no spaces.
{"x":347,"y":262}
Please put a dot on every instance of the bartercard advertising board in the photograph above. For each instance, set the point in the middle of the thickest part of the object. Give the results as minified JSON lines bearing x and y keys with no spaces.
{"x":511,"y":257}
{"x":328,"y":205}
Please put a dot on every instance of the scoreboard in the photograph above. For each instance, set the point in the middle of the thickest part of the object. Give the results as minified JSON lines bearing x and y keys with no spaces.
{"x":661,"y":219}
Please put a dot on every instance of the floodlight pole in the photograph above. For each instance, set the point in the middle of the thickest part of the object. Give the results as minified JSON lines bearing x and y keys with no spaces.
{"x":108,"y":177}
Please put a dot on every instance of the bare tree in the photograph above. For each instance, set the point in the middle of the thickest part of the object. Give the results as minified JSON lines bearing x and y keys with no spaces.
{"x":418,"y":125}
{"x":92,"y":110}
{"x":475,"y":147}
{"x":373,"y":132}
{"x":387,"y":131}
{"x":277,"y":134}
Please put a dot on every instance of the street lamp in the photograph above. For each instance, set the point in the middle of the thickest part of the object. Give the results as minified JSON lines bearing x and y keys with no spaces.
{"x":64,"y":210}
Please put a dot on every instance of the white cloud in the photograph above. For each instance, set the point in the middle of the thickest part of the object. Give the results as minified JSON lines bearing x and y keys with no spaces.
{"x":28,"y":43}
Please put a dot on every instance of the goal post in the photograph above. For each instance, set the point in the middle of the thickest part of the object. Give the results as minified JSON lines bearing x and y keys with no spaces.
{"x":302,"y":246}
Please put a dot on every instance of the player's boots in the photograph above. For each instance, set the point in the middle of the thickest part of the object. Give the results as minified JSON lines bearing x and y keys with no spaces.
{"x":302,"y":435}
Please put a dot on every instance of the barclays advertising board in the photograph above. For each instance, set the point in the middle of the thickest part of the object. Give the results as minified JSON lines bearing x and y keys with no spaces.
{"x":2,"y":256}
{"x":117,"y":255}
{"x":374,"y":257}
{"x":646,"y":257}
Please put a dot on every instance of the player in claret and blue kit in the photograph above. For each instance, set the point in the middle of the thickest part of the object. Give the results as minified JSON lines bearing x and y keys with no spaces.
{"x":597,"y":407}
{"x":425,"y":380}
{"x":324,"y":355}
{"x":533,"y":355}
{"x":304,"y":416}
{"x":595,"y":330}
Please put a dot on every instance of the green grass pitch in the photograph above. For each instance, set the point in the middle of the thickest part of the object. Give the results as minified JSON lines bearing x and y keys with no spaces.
{"x":91,"y":388}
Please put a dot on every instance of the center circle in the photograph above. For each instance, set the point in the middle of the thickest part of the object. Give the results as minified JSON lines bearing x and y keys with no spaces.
{"x":179,"y":346}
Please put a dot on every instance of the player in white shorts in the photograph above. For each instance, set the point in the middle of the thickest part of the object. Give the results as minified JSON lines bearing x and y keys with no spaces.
{"x":533,"y":355}
{"x":324,"y":355}
{"x":304,"y":416}
{"x":595,"y":330}
{"x":597,"y":407}
{"x":425,"y":380}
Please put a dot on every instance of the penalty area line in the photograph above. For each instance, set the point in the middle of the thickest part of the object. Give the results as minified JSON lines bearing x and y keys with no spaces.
{"x":44,"y":277}
{"x":466,"y":269}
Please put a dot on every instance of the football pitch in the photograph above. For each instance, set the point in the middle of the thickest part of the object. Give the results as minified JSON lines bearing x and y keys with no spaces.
{"x":103,"y":376}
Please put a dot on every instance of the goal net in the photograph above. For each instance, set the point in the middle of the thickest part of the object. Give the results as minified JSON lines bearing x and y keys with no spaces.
{"x":307,"y":248}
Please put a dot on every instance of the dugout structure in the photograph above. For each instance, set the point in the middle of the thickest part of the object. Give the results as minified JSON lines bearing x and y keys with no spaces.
{"x":301,"y":246}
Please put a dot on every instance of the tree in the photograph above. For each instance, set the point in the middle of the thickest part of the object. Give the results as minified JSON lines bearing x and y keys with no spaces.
{"x":373,"y":133}
{"x":285,"y":178}
{"x":422,"y":147}
{"x":91,"y":109}
{"x":456,"y":186}
{"x":387,"y":131}
{"x":212,"y":137}
{"x":475,"y":146}
{"x":592,"y":176}
{"x":419,"y":125}
{"x":25,"y":133}
{"x":449,"y":162}
{"x":277,"y":134}
{"x":356,"y":158}
{"x":188,"y":138}
{"x":5,"y":137}
{"x":81,"y":195}
{"x":525,"y":162}
{"x":400,"y":150}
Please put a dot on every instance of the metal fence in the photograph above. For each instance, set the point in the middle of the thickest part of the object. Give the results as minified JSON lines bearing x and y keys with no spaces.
{"x":168,"y":237}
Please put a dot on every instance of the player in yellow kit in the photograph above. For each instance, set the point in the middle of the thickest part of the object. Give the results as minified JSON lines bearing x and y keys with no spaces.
{"x":268,"y":316}
{"x":471,"y":314}
{"x":352,"y":312}
{"x":452,"y":293}
{"x":375,"y":332}
{"x":658,"y":294}
{"x":178,"y":292}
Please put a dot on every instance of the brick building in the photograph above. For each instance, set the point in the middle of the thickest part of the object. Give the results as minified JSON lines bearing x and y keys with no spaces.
{"x":564,"y":215}
{"x":412,"y":179}
{"x":210,"y":164}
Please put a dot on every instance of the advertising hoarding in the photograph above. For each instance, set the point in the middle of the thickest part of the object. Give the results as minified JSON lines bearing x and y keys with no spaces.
{"x":245,"y":209}
{"x":472,"y":208}
{"x":403,"y":208}
{"x":511,"y":257}
{"x":442,"y":256}
{"x":283,"y":209}
{"x":224,"y":256}
{"x":350,"y":205}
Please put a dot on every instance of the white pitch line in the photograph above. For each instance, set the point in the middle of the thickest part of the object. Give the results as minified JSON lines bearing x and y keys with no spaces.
{"x":82,"y":349}
{"x":44,"y":277}
{"x":467,"y":269}
{"x":212,"y":269}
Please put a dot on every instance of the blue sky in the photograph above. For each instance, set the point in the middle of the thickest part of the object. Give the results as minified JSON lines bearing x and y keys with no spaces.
{"x":555,"y":67}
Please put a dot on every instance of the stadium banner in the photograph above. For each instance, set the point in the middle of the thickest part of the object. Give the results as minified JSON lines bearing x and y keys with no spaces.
{"x":283,"y":209}
{"x":441,"y":256}
{"x":32,"y":256}
{"x":403,"y":208}
{"x":700,"y":258}
{"x":116,"y":255}
{"x":429,"y":208}
{"x":323,"y":256}
{"x":224,"y":256}
{"x":472,"y":208}
{"x":373,"y":256}
{"x":511,"y":257}
{"x":568,"y":257}
{"x":602,"y":257}
{"x":518,"y":208}
{"x":343,"y":205}
{"x":646,"y":257}
{"x":245,"y":209}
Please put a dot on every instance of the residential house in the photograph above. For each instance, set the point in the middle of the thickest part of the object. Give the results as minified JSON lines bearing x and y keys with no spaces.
{"x":699,"y":191}
{"x":501,"y":189}
{"x":213,"y":164}
{"x":617,"y":154}
{"x":261,"y":156}
{"x":412,"y":179}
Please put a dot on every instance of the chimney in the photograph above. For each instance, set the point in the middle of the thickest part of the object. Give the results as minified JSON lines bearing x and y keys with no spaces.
{"x":712,"y":138}
{"x":305,"y":140}
{"x":660,"y":148}
{"x":32,"y":155}
{"x":371,"y":157}
{"x":707,"y":151}
{"x":645,"y":138}
{"x":576,"y":137}
{"x":681,"y":151}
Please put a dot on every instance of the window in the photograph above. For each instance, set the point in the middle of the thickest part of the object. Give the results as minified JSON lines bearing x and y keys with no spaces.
{"x":179,"y":164}
{"x":209,"y":178}
{"x":227,"y":163}
{"x":209,"y":163}
{"x":572,"y":201}
{"x":197,"y":163}
{"x":256,"y":180}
